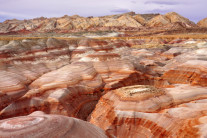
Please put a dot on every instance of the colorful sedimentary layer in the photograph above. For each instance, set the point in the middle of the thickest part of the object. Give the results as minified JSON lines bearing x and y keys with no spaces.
{"x":141,"y":92}
{"x":69,"y":85}
{"x":188,"y":68}
{"x":145,"y":111}
{"x":121,"y":22}
{"x":40,"y":125}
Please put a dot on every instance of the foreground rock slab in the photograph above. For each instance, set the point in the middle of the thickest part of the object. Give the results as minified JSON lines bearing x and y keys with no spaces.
{"x":38,"y":125}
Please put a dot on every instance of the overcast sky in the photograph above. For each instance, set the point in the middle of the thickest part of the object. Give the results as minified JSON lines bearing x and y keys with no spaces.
{"x":195,"y":10}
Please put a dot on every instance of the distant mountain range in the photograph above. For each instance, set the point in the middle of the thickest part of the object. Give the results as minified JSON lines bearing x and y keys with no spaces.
{"x":121,"y":22}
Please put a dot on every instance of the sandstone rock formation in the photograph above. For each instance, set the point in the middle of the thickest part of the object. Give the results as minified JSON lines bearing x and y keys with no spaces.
{"x":192,"y":71}
{"x":65,"y":77}
{"x":120,"y":22}
{"x":176,"y":18}
{"x":202,"y":23}
{"x":145,"y":111}
{"x":148,"y":86}
{"x":170,"y":19}
{"x":38,"y":125}
{"x":187,"y":68}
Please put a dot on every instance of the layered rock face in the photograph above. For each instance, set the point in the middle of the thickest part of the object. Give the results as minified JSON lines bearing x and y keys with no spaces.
{"x":40,"y":125}
{"x":170,"y":19}
{"x":67,"y":77}
{"x":188,"y":68}
{"x":127,"y":21}
{"x":141,"y":92}
{"x":145,"y":111}
{"x":202,"y":23}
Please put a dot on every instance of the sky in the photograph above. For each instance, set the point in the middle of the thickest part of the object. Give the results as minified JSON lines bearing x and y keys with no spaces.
{"x":195,"y":10}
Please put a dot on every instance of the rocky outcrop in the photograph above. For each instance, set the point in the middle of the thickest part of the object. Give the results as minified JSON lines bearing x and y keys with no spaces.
{"x":40,"y":125}
{"x":78,"y":84}
{"x":65,"y":77}
{"x":170,"y":19}
{"x":124,"y":21}
{"x":176,"y":18}
{"x":192,"y":71}
{"x":120,"y":22}
{"x":159,"y":20}
{"x":187,"y":68}
{"x":141,"y":91}
{"x":202,"y":23}
{"x":145,"y":111}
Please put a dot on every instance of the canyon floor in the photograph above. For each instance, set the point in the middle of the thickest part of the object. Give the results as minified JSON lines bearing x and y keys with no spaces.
{"x":126,"y":83}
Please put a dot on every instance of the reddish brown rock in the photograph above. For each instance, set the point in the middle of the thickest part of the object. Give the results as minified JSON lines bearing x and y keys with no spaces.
{"x":72,"y":86}
{"x":175,"y":51}
{"x":12,"y":87}
{"x":145,"y":111}
{"x":76,"y":87}
{"x":35,"y":51}
{"x":68,"y":77}
{"x":191,"y":72}
{"x":40,"y":125}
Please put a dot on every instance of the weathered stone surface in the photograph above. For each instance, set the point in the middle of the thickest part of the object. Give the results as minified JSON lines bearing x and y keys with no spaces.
{"x":12,"y":87}
{"x":202,"y":23}
{"x":175,"y":51}
{"x":75,"y":23}
{"x":68,"y":77}
{"x":145,"y":111}
{"x":193,"y":72}
{"x":35,"y":51}
{"x":170,"y":19}
{"x":187,"y":68}
{"x":159,"y":20}
{"x":40,"y":125}
{"x":75,"y":87}
{"x":72,"y":85}
{"x":124,"y":20}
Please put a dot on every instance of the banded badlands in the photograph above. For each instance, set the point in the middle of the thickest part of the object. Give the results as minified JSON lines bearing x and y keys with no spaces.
{"x":126,"y":75}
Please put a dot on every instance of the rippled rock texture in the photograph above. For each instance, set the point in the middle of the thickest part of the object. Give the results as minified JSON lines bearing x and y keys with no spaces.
{"x":125,"y":90}
{"x":188,"y":68}
{"x":64,"y":77}
{"x":145,"y":111}
{"x":38,"y":125}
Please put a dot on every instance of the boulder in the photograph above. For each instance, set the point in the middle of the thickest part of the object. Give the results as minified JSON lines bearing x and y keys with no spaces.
{"x":40,"y":125}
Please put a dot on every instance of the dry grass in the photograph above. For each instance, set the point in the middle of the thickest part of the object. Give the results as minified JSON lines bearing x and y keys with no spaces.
{"x":164,"y":37}
{"x":149,"y":46}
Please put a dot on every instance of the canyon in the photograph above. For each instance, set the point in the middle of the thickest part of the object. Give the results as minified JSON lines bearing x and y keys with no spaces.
{"x":126,"y":75}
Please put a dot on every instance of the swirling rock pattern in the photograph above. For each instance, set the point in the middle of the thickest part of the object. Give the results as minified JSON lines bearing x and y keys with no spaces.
{"x":38,"y":125}
{"x":188,"y":68}
{"x":68,"y":77}
{"x":145,"y":111}
{"x":69,"y":85}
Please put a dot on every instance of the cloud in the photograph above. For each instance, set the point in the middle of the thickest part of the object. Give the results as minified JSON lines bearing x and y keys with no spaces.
{"x":120,"y":10}
{"x":134,"y":2}
{"x":163,"y":2}
{"x":161,"y":11}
